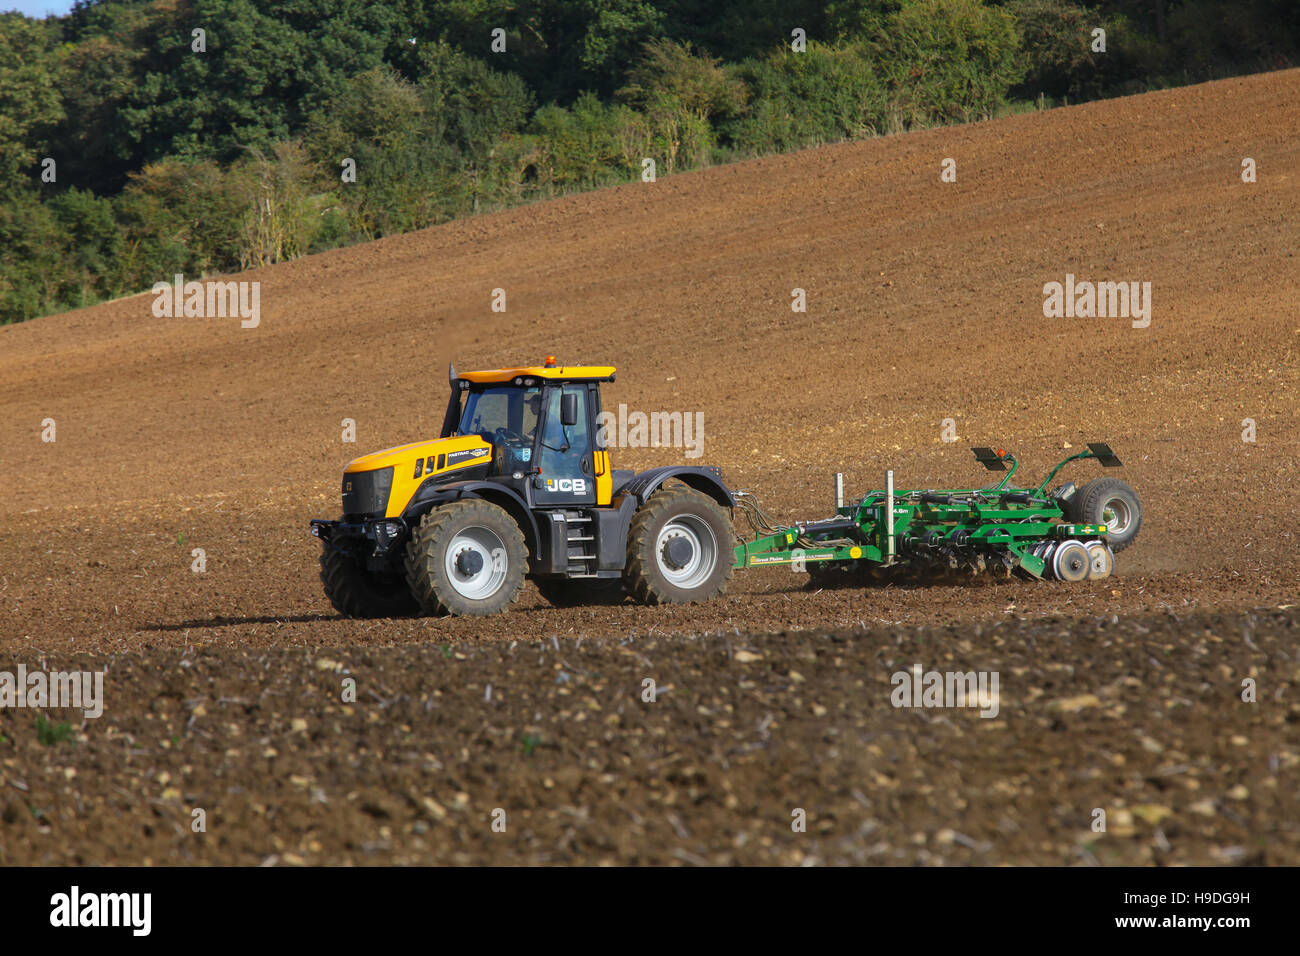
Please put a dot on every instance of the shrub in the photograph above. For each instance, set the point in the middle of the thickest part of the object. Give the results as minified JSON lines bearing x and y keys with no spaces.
{"x":1058,"y":58}
{"x":948,"y":61}
{"x":823,"y":95}
{"x":579,"y":147}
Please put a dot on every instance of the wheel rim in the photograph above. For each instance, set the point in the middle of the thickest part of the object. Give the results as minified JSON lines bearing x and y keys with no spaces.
{"x":695,"y":570}
{"x":1101,"y":560}
{"x":1071,"y":562}
{"x":1116,"y":515}
{"x":491,"y":571}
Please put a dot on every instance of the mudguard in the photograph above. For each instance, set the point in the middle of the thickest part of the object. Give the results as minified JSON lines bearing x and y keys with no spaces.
{"x":707,"y":479}
{"x":423,"y":501}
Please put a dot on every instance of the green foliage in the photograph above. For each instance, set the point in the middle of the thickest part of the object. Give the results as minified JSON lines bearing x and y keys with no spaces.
{"x":94,"y":246}
{"x":381,"y":123}
{"x":51,"y":734}
{"x":948,"y":61}
{"x":679,"y":93}
{"x":1056,"y":37}
{"x":172,"y":159}
{"x":424,"y":151}
{"x":281,"y":216}
{"x":824,"y":95}
{"x":180,"y":216}
{"x":103,"y":64}
{"x":29,"y":100}
{"x":737,"y":30}
{"x":697,"y":84}
{"x":31,"y":252}
{"x":1207,"y":38}
{"x":473,"y":108}
{"x":558,"y":47}
{"x":584,"y":146}
{"x":859,"y":19}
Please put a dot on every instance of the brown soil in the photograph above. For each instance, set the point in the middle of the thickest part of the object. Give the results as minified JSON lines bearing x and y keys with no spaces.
{"x":924,"y":303}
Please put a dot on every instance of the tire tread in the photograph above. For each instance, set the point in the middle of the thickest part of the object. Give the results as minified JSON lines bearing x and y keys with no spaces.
{"x":427,"y":579}
{"x":642,"y":581}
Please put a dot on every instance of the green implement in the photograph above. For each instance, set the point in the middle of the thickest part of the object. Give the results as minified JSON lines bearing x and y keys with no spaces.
{"x":1069,"y":534}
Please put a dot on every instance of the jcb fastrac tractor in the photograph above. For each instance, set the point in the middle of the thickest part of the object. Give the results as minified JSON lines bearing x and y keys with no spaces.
{"x":519,"y":484}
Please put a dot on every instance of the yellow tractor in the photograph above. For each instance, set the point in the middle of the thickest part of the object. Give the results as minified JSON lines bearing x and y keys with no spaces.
{"x":519,"y":484}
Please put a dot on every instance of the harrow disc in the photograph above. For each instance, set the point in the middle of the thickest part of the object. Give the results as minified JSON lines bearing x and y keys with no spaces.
{"x":1101,"y":558}
{"x":1071,"y":561}
{"x":1044,"y":550}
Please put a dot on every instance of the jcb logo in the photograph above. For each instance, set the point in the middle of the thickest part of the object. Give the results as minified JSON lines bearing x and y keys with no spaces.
{"x":573,"y":486}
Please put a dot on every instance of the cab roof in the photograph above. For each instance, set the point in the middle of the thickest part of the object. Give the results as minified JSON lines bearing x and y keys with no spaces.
{"x":566,"y":373}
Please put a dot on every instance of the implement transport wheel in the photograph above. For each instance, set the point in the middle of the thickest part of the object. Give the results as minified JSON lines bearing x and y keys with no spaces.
{"x":466,"y":557}
{"x":679,"y":549}
{"x":576,"y":592}
{"x":1101,"y":558}
{"x":1111,"y":502}
{"x":356,"y":592}
{"x":1071,"y":561}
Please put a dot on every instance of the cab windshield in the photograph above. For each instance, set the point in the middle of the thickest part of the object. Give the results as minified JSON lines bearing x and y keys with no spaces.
{"x":501,"y":414}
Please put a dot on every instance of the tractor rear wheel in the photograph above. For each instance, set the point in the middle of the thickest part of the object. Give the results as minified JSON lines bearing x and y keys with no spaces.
{"x":679,"y":549}
{"x":1111,"y":502}
{"x":356,"y":592}
{"x":466,"y":557}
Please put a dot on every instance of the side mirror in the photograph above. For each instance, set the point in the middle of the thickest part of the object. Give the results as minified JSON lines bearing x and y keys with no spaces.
{"x":568,"y":409}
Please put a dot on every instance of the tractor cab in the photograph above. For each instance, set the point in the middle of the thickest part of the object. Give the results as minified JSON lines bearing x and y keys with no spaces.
{"x":540,"y":422}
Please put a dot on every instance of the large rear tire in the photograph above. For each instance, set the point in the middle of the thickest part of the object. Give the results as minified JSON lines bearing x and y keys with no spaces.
{"x":1111,"y":502}
{"x":356,"y":592}
{"x":680,"y":549}
{"x":466,"y":557}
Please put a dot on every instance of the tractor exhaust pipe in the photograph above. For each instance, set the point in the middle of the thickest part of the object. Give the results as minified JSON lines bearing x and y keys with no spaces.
{"x":839,"y":490}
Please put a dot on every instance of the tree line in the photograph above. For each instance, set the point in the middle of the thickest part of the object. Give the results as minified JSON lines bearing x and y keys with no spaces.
{"x":144,"y":138}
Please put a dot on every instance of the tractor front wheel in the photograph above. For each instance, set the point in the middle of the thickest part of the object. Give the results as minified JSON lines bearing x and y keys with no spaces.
{"x":356,"y":592}
{"x":466,"y":557}
{"x":679,"y":549}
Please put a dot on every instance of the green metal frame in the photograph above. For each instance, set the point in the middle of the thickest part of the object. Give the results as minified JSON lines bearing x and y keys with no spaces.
{"x":978,"y":521}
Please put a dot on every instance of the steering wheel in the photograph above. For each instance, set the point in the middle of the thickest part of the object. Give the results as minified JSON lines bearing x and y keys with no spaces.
{"x":506,"y":436}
